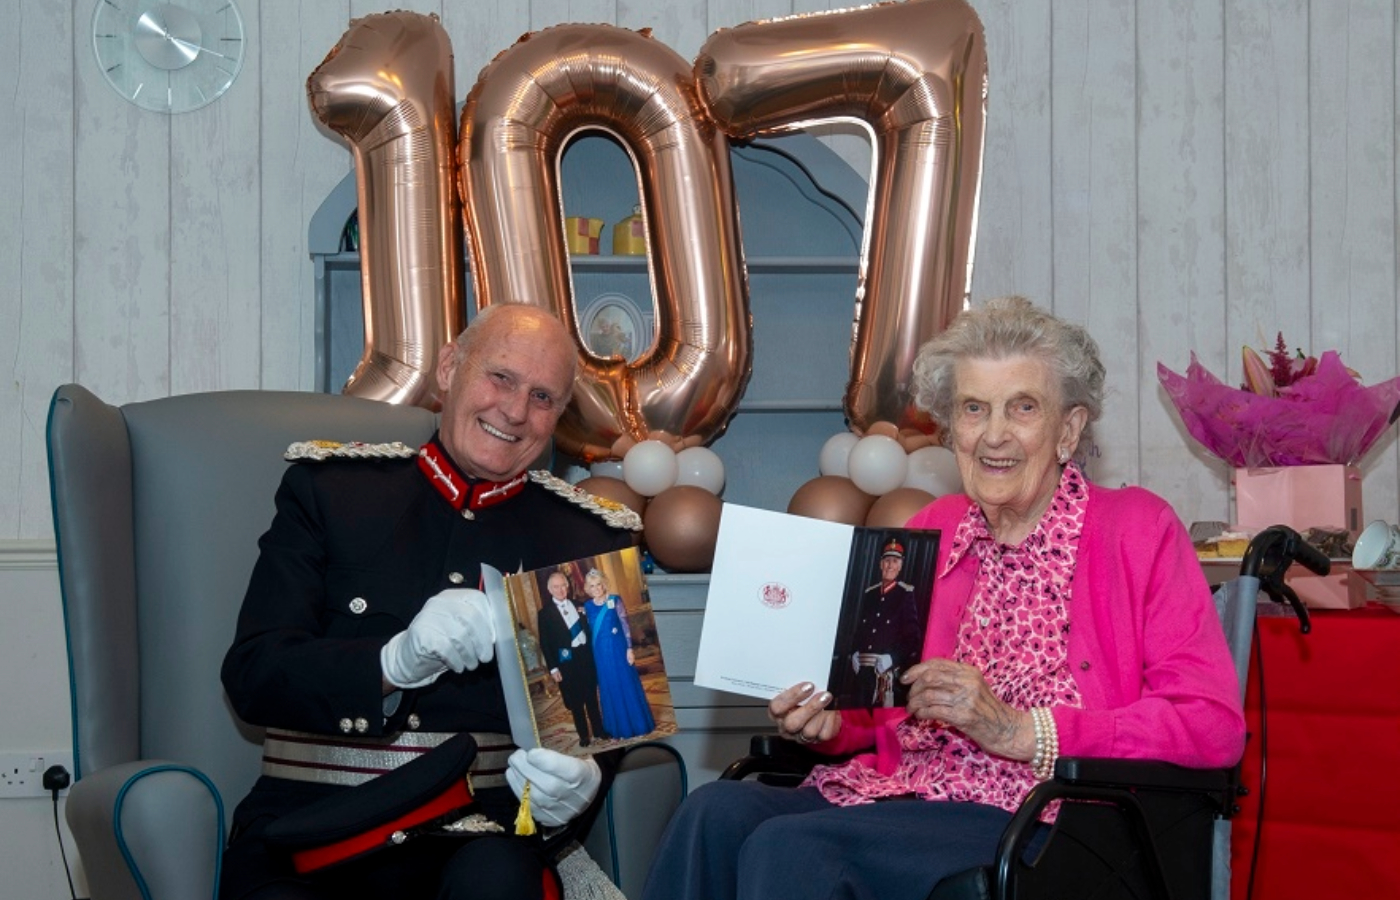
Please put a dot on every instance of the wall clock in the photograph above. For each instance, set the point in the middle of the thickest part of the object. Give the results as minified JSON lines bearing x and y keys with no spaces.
{"x":168,"y":57}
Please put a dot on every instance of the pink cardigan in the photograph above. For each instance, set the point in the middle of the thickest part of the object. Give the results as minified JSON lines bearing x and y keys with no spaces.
{"x":1146,"y":647}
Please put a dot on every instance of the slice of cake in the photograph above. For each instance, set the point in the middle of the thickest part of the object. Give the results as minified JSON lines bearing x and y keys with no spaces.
{"x":1226,"y":545}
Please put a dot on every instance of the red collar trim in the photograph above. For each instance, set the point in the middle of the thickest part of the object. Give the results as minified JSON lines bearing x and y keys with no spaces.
{"x":459,"y":490}
{"x":454,"y":799}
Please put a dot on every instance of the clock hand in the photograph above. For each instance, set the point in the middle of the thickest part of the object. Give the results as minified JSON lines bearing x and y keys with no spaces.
{"x":188,"y":45}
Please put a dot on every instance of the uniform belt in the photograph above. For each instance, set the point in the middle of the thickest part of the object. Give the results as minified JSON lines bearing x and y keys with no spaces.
{"x":350,"y":761}
{"x":868,"y":659}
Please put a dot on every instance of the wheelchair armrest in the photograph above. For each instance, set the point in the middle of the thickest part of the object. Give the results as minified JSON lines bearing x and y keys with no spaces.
{"x":771,"y":755}
{"x":1146,"y":774}
{"x":148,"y":828}
{"x":1133,"y":786}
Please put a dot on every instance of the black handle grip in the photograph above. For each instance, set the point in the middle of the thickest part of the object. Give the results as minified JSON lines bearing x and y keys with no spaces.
{"x":1277,"y":547}
{"x":1268,"y":557}
{"x":1311,"y":557}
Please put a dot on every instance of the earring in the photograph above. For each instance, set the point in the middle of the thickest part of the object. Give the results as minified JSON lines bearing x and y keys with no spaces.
{"x":1064,"y":456}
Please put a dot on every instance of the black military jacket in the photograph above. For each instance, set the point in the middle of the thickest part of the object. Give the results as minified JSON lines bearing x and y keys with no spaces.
{"x":354,"y":551}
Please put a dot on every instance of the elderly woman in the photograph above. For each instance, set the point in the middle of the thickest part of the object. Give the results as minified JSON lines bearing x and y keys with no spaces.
{"x":1066,"y":618}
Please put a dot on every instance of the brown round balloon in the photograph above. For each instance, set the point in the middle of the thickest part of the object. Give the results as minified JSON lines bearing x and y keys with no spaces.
{"x":833,"y":498}
{"x":622,"y":445}
{"x":912,"y":439}
{"x":682,"y":523}
{"x":897,"y":507}
{"x":888,"y":429}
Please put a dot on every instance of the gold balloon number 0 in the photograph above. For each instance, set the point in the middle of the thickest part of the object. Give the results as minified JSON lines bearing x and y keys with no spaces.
{"x":913,"y":73}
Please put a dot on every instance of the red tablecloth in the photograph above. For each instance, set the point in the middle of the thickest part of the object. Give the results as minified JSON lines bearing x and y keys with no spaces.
{"x":1331,"y":823}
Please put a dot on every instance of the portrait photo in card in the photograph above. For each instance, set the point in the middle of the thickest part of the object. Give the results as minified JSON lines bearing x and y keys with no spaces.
{"x":583,"y":655}
{"x":884,"y":613}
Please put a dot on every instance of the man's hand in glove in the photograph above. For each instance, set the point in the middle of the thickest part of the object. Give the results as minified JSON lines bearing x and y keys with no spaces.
{"x":453,"y":631}
{"x":561,"y":786}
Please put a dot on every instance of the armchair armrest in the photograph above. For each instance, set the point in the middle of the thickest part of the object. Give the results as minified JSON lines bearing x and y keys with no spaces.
{"x":650,"y":784}
{"x":148,"y":828}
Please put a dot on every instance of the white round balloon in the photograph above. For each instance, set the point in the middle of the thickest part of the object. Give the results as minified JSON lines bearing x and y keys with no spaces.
{"x":607,"y":468}
{"x":934,"y":469}
{"x":878,"y":464}
{"x":701,"y":467}
{"x":836,"y":453}
{"x":649,"y":468}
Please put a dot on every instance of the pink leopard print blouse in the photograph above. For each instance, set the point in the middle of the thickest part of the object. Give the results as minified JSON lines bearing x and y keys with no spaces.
{"x":1016,"y":630}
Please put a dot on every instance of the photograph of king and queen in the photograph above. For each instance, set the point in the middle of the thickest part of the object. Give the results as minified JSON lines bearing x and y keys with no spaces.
{"x":590,"y":654}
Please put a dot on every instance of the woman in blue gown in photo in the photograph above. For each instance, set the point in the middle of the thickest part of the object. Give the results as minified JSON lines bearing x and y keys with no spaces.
{"x":625,"y":710}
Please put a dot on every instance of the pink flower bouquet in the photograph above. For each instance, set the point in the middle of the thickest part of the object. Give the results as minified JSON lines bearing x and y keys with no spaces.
{"x":1294,"y":412}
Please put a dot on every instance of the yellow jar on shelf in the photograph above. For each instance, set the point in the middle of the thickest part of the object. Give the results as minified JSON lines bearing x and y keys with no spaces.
{"x":629,"y":235}
{"x":582,"y":234}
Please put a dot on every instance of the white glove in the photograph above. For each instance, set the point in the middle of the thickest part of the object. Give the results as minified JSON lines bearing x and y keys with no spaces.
{"x":561,"y":786}
{"x":453,"y":631}
{"x":883,"y":663}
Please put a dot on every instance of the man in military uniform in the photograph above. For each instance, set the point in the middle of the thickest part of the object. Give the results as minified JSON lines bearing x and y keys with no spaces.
{"x":569,"y":657}
{"x":361,"y":643}
{"x":888,"y":637}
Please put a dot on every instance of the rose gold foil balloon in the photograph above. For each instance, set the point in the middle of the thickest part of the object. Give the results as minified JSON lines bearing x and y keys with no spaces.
{"x":525,"y":106}
{"x":832,"y":498}
{"x":915,"y":73}
{"x":387,"y":89}
{"x":681,"y":526}
{"x":897,"y":507}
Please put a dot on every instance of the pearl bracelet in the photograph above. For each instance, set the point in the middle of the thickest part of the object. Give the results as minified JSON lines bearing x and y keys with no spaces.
{"x":1047,"y":744}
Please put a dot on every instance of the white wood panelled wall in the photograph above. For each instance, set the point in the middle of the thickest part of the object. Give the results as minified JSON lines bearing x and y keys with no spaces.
{"x":1181,"y":175}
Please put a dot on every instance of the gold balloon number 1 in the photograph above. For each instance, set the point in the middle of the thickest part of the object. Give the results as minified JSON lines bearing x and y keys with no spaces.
{"x":913,"y":73}
{"x":387,"y":89}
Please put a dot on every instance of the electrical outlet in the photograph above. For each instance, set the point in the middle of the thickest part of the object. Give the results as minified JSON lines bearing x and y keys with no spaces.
{"x":22,"y":773}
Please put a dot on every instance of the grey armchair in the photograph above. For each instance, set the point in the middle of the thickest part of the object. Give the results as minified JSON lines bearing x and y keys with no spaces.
{"x":157,"y":510}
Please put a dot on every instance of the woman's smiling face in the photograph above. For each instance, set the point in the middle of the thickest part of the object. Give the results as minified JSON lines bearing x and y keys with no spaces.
{"x":1009,"y":426}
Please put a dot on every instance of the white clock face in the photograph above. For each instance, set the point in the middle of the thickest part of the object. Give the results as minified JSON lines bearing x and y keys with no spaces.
{"x":168,"y":57}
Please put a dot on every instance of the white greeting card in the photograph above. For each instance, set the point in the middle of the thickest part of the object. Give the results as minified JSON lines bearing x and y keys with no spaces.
{"x":789,"y":593}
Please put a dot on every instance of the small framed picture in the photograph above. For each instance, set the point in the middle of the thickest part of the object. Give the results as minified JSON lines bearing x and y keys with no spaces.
{"x":612,"y":326}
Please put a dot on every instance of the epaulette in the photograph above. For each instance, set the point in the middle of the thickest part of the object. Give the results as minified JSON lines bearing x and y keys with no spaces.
{"x":321,"y":450}
{"x":615,"y":514}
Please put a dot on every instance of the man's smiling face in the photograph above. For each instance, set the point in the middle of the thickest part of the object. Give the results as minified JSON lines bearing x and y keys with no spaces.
{"x":505,"y":395}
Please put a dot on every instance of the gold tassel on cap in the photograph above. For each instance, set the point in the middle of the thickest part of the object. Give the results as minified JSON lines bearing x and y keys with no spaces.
{"x":524,"y":822}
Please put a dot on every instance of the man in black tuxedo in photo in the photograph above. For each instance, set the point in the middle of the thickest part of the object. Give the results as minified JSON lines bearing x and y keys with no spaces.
{"x":569,"y":656}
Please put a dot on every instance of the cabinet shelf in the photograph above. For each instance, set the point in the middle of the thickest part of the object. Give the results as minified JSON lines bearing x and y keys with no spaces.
{"x":760,"y":265}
